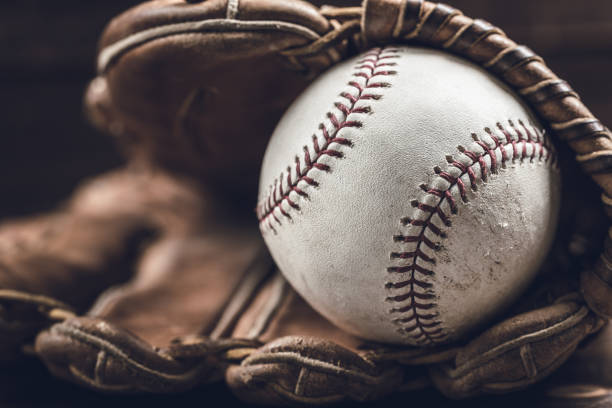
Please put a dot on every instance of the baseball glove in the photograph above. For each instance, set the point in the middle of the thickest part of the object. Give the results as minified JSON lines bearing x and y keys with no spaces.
{"x":154,"y":278}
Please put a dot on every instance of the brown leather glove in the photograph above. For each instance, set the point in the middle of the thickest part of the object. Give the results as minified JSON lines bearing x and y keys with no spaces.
{"x":57,"y":264}
{"x":205,"y":300}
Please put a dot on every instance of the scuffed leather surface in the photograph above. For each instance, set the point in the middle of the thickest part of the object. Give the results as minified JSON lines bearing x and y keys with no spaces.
{"x":130,"y":124}
{"x":88,"y":245}
{"x":517,"y":352}
{"x":215,"y":108}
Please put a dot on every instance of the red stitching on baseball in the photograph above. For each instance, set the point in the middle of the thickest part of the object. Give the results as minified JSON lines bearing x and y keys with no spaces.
{"x":409,"y":319}
{"x":411,"y":268}
{"x":424,"y":328}
{"x":371,"y":61}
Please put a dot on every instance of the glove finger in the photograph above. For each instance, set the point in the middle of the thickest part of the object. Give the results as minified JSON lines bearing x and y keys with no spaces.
{"x":517,"y":352}
{"x":307,"y":360}
{"x":231,"y":94}
{"x":148,"y":334}
{"x":100,"y":355}
{"x":307,"y":370}
{"x":55,"y":264}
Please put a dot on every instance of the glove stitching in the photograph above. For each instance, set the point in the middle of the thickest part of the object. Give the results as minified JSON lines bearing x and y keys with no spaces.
{"x":569,"y":322}
{"x":292,"y":358}
{"x":233,"y":7}
{"x":143,"y":368}
{"x":111,"y":53}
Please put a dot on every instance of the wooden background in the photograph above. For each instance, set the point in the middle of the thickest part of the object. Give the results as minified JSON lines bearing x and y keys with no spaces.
{"x":48,"y":53}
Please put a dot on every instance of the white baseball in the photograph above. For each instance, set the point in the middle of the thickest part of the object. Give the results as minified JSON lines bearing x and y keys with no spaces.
{"x":409,"y":196}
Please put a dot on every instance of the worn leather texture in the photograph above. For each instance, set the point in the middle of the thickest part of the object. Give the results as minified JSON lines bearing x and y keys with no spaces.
{"x":181,"y":86}
{"x":214,"y":104}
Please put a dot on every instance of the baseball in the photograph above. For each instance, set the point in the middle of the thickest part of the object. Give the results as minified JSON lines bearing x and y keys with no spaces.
{"x":409,"y":196}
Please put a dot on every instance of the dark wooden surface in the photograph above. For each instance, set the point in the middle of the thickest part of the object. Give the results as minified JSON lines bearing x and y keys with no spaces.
{"x":48,"y":51}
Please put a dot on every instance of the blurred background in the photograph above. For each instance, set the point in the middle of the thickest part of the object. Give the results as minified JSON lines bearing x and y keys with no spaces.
{"x":48,"y":56}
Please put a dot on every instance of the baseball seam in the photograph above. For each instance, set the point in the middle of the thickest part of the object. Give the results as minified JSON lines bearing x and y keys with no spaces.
{"x":415,"y":314}
{"x":418,"y":318}
{"x":278,"y":202}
